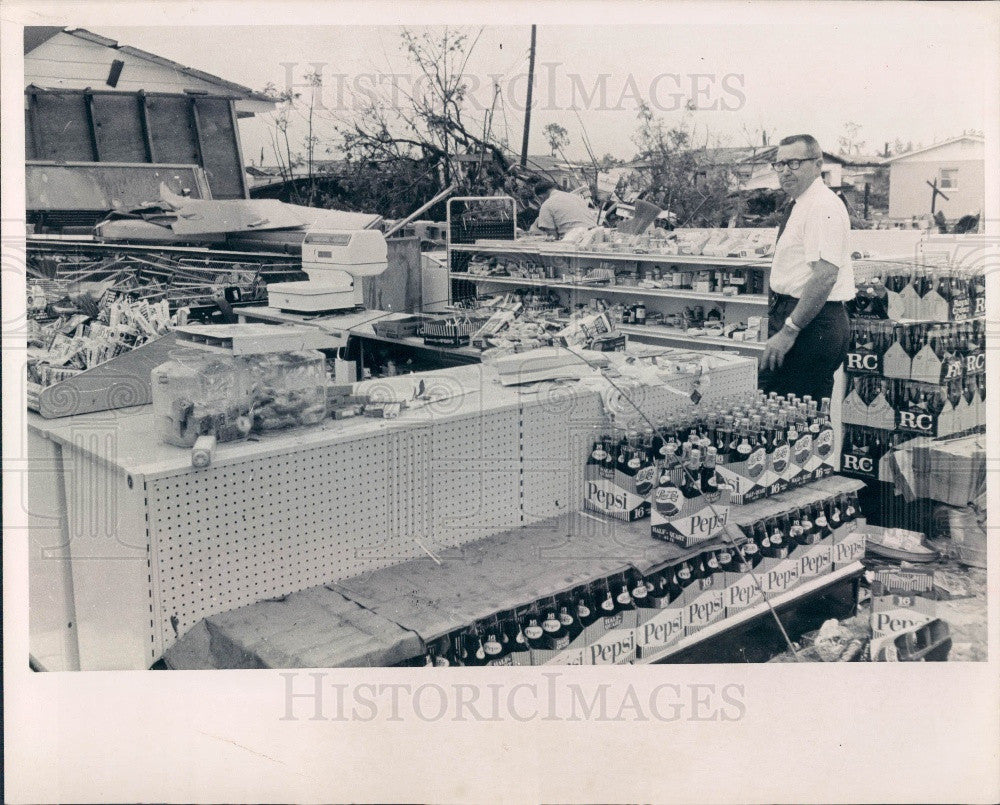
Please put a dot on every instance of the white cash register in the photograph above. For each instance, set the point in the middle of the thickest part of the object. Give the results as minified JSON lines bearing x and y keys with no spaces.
{"x":335,"y":261}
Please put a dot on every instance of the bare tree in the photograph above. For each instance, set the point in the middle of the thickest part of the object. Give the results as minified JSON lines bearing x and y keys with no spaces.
{"x":679,"y":176}
{"x":557,"y":137}
{"x":850,"y":143}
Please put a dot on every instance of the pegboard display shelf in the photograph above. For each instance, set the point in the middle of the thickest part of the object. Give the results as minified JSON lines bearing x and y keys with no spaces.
{"x":305,"y":507}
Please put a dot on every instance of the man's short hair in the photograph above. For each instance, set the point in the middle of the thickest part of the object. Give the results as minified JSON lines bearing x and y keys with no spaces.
{"x":543,"y":186}
{"x":812,"y":144}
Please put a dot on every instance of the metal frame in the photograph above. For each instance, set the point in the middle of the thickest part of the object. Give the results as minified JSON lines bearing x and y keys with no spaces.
{"x":498,"y":199}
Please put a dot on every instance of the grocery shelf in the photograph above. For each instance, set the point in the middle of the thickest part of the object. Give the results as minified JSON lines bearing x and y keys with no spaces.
{"x":748,"y":614}
{"x":669,"y":334}
{"x":757,"y":300}
{"x":674,"y":259}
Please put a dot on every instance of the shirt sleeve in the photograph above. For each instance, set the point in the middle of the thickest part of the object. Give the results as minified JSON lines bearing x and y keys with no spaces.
{"x":824,"y":233}
{"x":545,"y":217}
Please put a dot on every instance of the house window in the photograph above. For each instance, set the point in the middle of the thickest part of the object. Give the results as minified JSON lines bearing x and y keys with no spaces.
{"x":949,"y":179}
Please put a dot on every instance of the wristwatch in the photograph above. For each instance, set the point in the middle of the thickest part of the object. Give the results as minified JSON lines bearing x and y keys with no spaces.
{"x":791,"y":325}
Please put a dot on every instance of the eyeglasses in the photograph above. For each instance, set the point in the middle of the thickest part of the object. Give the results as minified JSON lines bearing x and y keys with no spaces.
{"x":791,"y":164}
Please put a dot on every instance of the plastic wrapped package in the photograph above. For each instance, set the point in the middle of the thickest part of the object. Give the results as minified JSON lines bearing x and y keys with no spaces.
{"x":198,"y":393}
{"x":288,"y":389}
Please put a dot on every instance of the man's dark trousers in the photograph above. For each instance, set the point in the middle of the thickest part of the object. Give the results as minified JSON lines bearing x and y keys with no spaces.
{"x":817,"y":353}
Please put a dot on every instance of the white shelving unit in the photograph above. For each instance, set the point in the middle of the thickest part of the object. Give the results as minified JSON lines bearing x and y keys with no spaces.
{"x":574,"y":262}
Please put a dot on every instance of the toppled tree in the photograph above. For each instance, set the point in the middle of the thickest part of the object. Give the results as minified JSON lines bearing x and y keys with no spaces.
{"x":425,"y":133}
{"x":679,"y":176}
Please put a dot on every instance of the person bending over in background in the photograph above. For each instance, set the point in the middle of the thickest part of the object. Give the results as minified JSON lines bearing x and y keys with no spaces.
{"x":561,"y":211}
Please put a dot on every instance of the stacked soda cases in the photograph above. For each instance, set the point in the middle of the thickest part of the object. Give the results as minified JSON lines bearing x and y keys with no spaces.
{"x":685,"y":473}
{"x":909,"y":377}
{"x":631,"y":616}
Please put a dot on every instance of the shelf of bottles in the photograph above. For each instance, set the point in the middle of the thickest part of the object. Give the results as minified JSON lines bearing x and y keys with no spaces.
{"x":745,"y":452}
{"x":645,"y":285}
{"x":916,"y":362}
{"x":633,"y":617}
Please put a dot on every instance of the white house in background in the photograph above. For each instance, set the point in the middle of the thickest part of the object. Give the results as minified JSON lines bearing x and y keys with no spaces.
{"x":757,"y":172}
{"x":957,"y":165}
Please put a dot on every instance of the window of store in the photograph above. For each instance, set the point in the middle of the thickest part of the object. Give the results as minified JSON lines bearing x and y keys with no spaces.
{"x":948,"y":179}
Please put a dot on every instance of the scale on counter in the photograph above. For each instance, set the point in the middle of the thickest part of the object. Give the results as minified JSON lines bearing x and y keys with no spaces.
{"x":335,"y":261}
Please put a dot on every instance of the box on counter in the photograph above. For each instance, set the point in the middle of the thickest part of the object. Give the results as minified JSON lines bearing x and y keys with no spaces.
{"x":688,"y":521}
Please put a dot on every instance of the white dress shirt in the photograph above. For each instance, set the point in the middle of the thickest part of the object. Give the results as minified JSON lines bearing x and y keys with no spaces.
{"x":818,"y":228}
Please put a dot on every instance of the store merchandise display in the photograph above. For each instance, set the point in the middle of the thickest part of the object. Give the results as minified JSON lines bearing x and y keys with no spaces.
{"x":685,"y":473}
{"x":900,"y":291}
{"x":653,"y":285}
{"x":88,"y":332}
{"x":910,"y":378}
{"x":734,"y":243}
{"x":526,"y":318}
{"x":631,"y":615}
{"x":643,"y":275}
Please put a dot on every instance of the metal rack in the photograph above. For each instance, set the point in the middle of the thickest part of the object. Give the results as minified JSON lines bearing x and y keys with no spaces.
{"x":465,"y":284}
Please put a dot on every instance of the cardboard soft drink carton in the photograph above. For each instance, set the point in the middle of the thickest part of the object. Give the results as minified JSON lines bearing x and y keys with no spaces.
{"x":894,"y":614}
{"x":619,"y":492}
{"x":928,"y":367}
{"x":925,"y":409}
{"x":688,"y":521}
{"x":658,"y":628}
{"x":558,"y":648}
{"x":702,"y":603}
{"x":800,"y":462}
{"x":742,"y":588}
{"x":778,"y":575}
{"x":780,"y":471}
{"x":610,"y":640}
{"x":823,"y":453}
{"x":849,"y":544}
{"x":748,"y":479}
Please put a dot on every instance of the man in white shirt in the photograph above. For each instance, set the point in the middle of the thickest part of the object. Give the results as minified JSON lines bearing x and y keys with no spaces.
{"x":811,"y":278}
{"x":561,"y":211}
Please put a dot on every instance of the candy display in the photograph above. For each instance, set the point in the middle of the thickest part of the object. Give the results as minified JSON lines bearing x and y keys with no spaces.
{"x":199,"y":393}
{"x":287,"y":389}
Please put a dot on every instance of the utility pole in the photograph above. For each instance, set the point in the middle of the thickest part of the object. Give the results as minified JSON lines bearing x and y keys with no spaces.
{"x":527,"y":107}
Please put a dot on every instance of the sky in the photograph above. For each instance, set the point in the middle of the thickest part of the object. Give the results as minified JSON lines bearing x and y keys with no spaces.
{"x":897,"y":74}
